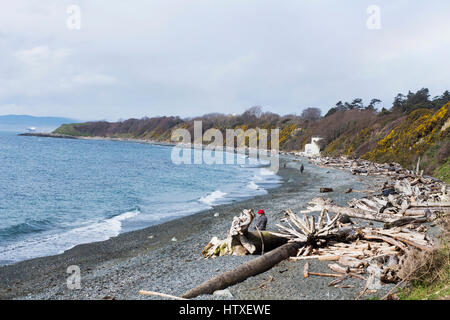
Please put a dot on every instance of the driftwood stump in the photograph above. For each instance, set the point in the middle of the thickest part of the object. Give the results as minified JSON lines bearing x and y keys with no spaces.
{"x":240,"y":241}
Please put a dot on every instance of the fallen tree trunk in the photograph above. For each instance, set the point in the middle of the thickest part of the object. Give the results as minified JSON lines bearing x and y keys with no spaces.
{"x":411,"y":243}
{"x":307,"y":232}
{"x":270,"y":240}
{"x":421,"y":211}
{"x":430,"y":204}
{"x":403,"y":221}
{"x":385,"y":239}
{"x":319,"y":204}
{"x":249,"y":269}
{"x":253,"y":239}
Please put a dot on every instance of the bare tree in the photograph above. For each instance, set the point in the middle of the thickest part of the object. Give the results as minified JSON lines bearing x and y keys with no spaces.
{"x":311,"y":114}
{"x":254,"y":111}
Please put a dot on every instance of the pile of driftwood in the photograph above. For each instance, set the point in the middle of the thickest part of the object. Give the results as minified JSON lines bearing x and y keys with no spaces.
{"x":356,"y":251}
{"x":360,"y":166}
{"x":404,"y":193}
{"x":329,"y":232}
{"x":374,"y":255}
{"x":406,"y":200}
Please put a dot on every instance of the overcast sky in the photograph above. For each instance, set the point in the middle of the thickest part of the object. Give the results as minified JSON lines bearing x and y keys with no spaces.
{"x":191,"y":57}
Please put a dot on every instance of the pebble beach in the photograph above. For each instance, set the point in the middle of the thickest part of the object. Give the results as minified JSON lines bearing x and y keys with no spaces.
{"x":167,"y":258}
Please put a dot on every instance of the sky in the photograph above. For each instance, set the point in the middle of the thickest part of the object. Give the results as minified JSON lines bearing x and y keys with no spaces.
{"x":191,"y":57}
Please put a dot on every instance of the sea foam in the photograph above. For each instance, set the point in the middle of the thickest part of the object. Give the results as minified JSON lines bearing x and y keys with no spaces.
{"x":51,"y":243}
{"x":212,"y":198}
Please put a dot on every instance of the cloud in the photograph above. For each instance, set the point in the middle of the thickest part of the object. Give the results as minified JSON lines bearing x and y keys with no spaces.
{"x":41,"y":54}
{"x":189,"y":57}
{"x":93,"y":79}
{"x":41,"y":71}
{"x":38,"y":63}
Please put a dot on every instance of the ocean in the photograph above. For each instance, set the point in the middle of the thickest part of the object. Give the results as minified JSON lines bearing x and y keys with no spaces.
{"x":58,"y":193}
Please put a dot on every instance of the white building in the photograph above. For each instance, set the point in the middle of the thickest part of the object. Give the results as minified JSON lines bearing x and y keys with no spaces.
{"x":313,"y":148}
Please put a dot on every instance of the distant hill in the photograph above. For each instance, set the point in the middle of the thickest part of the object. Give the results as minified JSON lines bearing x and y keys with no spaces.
{"x":20,"y":123}
{"x":415,"y":126}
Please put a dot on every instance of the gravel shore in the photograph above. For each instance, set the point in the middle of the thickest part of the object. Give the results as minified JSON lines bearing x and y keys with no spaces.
{"x":148,"y":259}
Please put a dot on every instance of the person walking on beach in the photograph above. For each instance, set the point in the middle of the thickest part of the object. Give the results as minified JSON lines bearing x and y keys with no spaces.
{"x":261,"y":221}
{"x":302,"y":168}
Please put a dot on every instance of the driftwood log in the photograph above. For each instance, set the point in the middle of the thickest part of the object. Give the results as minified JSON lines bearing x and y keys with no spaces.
{"x":249,"y":269}
{"x":265,"y":239}
{"x":240,"y":241}
{"x":308,"y":233}
{"x":319,"y":204}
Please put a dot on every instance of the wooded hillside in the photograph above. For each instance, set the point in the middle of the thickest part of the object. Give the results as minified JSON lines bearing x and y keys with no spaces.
{"x":413,"y":126}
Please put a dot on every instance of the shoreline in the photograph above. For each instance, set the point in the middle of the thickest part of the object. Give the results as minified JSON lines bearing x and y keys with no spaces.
{"x":239,"y":198}
{"x":122,"y":246}
{"x":98,"y":138}
{"x":152,"y":142}
{"x":148,"y":259}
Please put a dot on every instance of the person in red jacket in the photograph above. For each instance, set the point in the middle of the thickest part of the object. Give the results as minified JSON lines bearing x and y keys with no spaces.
{"x":261,"y":220}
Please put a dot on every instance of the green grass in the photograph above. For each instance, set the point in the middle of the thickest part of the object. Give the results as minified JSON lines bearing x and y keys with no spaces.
{"x":443,"y":172}
{"x":431,"y":281}
{"x":69,"y":129}
{"x":425,"y":292}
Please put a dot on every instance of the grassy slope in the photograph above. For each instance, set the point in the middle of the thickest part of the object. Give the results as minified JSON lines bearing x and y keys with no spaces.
{"x":422,"y":133}
{"x":430,"y":276}
{"x":71,"y":130}
{"x":443,"y":172}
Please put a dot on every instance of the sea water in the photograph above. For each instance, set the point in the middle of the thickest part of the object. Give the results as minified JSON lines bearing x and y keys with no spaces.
{"x":58,"y":193}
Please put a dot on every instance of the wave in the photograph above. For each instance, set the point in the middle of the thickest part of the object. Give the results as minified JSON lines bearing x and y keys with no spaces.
{"x":266,"y":178}
{"x":55,"y":243}
{"x":212,"y":198}
{"x":255,"y":185}
{"x":77,"y":195}
{"x":255,"y":165}
{"x":104,"y":229}
{"x":266,"y":172}
{"x":30,"y":226}
{"x":252,"y":185}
